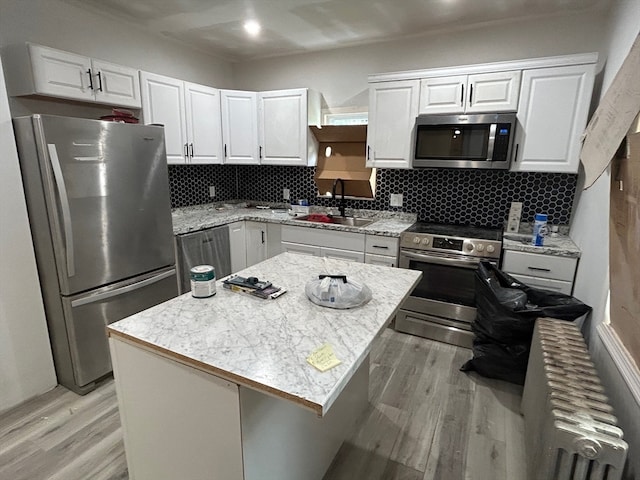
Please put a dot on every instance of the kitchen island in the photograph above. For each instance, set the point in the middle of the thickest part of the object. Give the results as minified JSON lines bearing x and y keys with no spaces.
{"x":220,"y":387}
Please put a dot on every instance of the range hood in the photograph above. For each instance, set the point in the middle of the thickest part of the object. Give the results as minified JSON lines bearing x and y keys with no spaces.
{"x":342,"y":154}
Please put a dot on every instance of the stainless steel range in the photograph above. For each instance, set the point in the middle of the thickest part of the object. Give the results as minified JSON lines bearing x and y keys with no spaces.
{"x":442,"y":306}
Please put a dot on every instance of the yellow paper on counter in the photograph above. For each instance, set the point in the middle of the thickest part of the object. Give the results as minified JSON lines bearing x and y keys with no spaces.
{"x":323,"y":358}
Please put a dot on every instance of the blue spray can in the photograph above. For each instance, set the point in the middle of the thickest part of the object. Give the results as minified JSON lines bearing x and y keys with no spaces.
{"x":539,"y":229}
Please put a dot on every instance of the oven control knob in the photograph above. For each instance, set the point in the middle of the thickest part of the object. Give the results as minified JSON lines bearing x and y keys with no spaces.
{"x":425,"y":241}
{"x":416,"y":240}
{"x":490,"y":249}
{"x":470,"y":246}
{"x":480,"y":247}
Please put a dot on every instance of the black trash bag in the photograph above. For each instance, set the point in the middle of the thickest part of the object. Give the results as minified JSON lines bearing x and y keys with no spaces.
{"x":506,"y":314}
{"x":495,"y":360}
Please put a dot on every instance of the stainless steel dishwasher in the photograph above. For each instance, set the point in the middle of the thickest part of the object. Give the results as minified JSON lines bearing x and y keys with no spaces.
{"x":204,"y":247}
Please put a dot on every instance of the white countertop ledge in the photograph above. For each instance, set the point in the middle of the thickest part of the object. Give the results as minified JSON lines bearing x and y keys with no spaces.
{"x":200,"y":217}
{"x":263,"y":344}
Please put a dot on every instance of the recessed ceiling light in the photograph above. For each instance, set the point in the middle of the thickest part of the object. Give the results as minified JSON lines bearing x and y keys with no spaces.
{"x":252,"y":27}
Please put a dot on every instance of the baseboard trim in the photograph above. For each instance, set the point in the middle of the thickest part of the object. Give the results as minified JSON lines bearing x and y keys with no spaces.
{"x":620,"y":356}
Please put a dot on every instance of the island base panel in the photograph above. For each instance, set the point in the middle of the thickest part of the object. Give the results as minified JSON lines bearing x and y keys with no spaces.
{"x":178,"y":422}
{"x":282,"y":441}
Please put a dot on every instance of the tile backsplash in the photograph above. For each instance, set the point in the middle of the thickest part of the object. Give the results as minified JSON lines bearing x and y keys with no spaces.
{"x":475,"y":197}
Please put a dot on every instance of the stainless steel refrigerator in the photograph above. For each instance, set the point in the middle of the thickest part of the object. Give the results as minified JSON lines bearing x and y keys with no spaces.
{"x":100,"y":214}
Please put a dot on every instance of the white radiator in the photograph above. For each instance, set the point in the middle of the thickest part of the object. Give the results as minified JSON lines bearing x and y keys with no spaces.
{"x":570,"y":429}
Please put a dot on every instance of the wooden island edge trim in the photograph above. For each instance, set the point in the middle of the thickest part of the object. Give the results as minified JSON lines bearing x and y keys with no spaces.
{"x":223,"y":374}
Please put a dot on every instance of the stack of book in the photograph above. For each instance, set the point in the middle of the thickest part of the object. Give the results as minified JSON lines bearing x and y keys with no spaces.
{"x":253,"y":286}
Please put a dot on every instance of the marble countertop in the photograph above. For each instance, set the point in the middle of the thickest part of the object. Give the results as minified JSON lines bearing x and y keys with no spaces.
{"x":263,"y":344}
{"x":559,"y":245}
{"x":199,"y":217}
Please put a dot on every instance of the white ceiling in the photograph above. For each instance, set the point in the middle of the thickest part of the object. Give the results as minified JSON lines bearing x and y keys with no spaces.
{"x":296,"y":26}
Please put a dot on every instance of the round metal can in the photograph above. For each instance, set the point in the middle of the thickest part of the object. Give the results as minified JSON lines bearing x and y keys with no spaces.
{"x":203,"y":281}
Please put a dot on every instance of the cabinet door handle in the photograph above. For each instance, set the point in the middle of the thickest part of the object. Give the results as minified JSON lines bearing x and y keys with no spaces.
{"x":191,"y":150}
{"x":368,"y":152}
{"x":260,"y":154}
{"x":225,"y":150}
{"x":100,"y":81}
{"x":515,"y":155}
{"x":262,"y":234}
{"x":470,"y":93}
{"x":462,"y":96}
{"x":90,"y":79}
{"x":186,"y":151}
{"x":539,"y":269}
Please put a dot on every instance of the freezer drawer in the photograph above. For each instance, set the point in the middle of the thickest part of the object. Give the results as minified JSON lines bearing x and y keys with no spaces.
{"x":88,"y":314}
{"x":205,"y":247}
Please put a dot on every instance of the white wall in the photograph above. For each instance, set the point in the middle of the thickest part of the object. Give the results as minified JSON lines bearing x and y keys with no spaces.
{"x":590,"y":230}
{"x":60,"y":25}
{"x":26,"y":365}
{"x":341,"y":75}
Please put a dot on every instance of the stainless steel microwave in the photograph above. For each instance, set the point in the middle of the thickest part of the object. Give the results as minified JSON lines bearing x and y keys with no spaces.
{"x":464,"y":141}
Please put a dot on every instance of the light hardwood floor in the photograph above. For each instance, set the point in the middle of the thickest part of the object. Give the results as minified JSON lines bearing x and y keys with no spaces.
{"x":425,"y":421}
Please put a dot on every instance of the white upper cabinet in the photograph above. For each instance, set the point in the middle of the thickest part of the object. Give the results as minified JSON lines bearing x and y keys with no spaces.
{"x":117,"y":85}
{"x":37,"y":70}
{"x":204,"y":125}
{"x":190,"y":114}
{"x":240,"y":127}
{"x":478,"y":93}
{"x":163,"y":104}
{"x":284,"y":119}
{"x":393,"y":107}
{"x":552,"y":115}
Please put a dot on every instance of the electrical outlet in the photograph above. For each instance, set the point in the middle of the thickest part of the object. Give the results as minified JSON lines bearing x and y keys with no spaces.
{"x":212,"y":191}
{"x":515,"y":213}
{"x":286,"y":194}
{"x":395,"y":200}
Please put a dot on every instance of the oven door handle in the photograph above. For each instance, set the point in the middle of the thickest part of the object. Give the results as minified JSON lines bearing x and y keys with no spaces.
{"x":472,"y":265}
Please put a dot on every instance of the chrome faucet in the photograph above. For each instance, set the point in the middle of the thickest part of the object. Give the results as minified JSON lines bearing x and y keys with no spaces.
{"x":341,"y":206}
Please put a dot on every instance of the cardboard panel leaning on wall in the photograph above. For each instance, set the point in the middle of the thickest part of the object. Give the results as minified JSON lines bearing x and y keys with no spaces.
{"x":624,"y":254}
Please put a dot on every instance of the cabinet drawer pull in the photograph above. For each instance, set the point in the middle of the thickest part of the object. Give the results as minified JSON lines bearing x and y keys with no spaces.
{"x":380,"y":246}
{"x":539,"y":269}
{"x":90,"y":79}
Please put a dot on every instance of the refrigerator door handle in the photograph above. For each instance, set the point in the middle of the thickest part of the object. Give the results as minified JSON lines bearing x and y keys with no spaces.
{"x":119,"y":291}
{"x":64,"y":204}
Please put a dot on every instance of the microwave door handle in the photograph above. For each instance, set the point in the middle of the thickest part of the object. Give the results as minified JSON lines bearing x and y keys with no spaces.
{"x":492,"y":140}
{"x":441,"y":260}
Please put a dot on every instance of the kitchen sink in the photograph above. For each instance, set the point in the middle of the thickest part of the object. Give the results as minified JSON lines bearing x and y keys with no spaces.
{"x":350,"y":221}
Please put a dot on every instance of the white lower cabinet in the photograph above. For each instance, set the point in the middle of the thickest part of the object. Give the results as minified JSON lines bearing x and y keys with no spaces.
{"x":274,"y":239}
{"x":323,"y":243}
{"x":238,"y":246}
{"x":256,"y":240}
{"x":384,"y":260}
{"x":380,"y":250}
{"x":311,"y":250}
{"x":342,"y":254}
{"x":539,"y":270}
